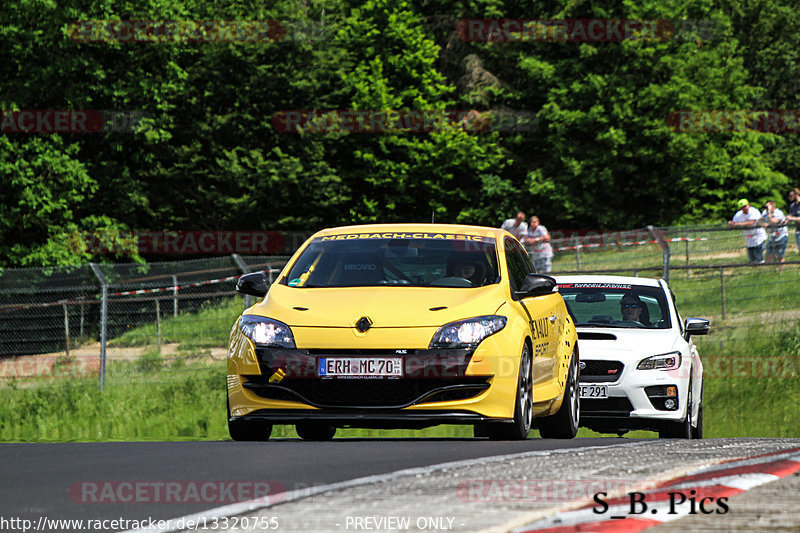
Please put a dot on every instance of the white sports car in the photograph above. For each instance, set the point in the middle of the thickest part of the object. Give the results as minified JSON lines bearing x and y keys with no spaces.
{"x":639,"y":368}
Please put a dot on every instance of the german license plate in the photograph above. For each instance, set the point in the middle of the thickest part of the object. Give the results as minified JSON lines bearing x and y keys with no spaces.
{"x":594,"y":391}
{"x":359,"y":367}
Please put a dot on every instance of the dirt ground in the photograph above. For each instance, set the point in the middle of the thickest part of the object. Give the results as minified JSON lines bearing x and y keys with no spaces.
{"x":86,"y":360}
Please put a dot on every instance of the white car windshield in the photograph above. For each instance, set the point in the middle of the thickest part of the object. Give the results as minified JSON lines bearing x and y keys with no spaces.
{"x":616,"y":305}
{"x":366,"y":260}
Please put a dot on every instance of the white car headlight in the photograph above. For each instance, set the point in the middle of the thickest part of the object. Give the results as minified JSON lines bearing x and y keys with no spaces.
{"x":667,"y":361}
{"x":266,"y":332}
{"x":467,"y":333}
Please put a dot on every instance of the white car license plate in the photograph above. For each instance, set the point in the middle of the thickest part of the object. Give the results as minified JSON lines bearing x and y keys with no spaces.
{"x":360,"y":367}
{"x":594,"y":391}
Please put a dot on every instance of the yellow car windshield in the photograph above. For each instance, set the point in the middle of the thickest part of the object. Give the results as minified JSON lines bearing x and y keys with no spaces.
{"x":365,"y":260}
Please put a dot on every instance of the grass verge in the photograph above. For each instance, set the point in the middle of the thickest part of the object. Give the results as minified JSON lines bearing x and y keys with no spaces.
{"x":752,"y":390}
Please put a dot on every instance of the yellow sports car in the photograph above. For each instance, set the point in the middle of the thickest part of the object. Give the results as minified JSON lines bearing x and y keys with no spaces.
{"x":404,"y":326}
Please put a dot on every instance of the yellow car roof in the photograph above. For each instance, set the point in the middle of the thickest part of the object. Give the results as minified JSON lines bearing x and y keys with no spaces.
{"x":482,"y":231}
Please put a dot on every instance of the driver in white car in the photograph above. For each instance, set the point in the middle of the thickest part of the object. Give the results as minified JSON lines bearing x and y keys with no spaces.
{"x":632,"y":308}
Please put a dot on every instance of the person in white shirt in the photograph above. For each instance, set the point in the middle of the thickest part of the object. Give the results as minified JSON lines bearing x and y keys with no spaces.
{"x":778,"y":233}
{"x":754,"y":235}
{"x":516,"y":226}
{"x":537,"y":239}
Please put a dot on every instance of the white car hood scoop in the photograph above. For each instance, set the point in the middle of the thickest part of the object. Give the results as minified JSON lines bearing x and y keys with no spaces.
{"x":596,"y":336}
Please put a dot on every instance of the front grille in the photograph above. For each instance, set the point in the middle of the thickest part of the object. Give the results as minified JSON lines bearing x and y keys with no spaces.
{"x":614,"y":406}
{"x":598,"y":371}
{"x":444,"y":363}
{"x":385,"y":393}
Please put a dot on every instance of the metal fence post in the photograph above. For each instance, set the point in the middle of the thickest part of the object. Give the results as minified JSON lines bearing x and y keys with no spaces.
{"x":158,"y":323}
{"x":722,"y":289}
{"x":659,"y":237}
{"x":577,"y":252}
{"x":103,"y":320}
{"x":688,"y":272}
{"x":66,"y":327}
{"x":174,"y":296}
{"x":246,"y":270}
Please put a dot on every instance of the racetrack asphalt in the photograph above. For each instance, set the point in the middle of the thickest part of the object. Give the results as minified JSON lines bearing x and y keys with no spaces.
{"x":59,"y":480}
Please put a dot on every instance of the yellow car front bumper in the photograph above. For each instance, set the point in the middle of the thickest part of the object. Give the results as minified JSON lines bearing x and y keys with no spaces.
{"x":438,"y":386}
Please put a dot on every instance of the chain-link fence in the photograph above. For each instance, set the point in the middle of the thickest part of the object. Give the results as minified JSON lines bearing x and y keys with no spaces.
{"x":143,"y":317}
{"x":166,"y":316}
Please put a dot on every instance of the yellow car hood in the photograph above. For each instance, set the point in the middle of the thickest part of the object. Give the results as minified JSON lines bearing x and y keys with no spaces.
{"x":384,"y":306}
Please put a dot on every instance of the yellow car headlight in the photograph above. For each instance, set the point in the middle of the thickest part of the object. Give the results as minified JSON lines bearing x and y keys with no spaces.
{"x":467,"y":333}
{"x":266,"y":332}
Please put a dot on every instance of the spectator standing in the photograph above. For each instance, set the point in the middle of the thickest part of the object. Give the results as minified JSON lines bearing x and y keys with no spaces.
{"x":537,"y":240}
{"x":754,"y":236}
{"x":794,"y":214}
{"x":778,"y":233}
{"x":516,"y":226}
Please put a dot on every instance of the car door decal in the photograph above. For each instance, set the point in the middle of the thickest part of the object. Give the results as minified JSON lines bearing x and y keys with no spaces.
{"x":540,"y":328}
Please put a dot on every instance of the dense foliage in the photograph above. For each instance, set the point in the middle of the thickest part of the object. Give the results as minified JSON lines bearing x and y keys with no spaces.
{"x":599,"y":154}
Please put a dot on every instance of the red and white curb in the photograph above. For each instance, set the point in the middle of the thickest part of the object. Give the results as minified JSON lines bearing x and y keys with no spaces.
{"x":673,"y":499}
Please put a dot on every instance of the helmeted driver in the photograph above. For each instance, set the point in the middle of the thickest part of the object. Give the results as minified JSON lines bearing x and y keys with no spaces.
{"x":631,"y":307}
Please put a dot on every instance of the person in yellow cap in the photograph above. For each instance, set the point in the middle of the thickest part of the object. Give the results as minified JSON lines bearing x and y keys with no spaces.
{"x":754,"y":234}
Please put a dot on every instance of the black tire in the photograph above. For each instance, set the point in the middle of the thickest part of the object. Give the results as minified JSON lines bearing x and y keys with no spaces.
{"x":564,"y":424}
{"x":248,"y":430}
{"x":523,"y":408}
{"x":683,"y":428}
{"x":316,"y":431}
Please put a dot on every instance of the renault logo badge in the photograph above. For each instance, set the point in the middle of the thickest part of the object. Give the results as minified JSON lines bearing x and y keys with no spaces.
{"x":363,"y":324}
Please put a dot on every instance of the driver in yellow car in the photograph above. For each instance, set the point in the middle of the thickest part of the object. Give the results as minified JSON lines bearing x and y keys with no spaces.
{"x":631,"y":307}
{"x":464,"y":270}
